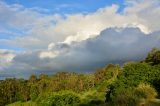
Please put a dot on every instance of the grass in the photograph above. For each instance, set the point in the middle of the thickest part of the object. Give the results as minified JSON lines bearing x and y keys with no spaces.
{"x":29,"y":103}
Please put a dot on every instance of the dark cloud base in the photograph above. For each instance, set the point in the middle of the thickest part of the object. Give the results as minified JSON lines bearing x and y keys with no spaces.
{"x":113,"y":45}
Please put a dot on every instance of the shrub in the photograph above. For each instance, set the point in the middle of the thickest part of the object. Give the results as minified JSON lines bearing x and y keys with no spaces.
{"x":134,"y":96}
{"x":34,"y":93}
{"x":92,"y":98}
{"x":145,"y":91}
{"x":63,"y":98}
{"x":126,"y":98}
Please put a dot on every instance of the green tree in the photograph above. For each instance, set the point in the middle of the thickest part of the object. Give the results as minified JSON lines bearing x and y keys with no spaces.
{"x":153,"y":57}
{"x":63,"y":98}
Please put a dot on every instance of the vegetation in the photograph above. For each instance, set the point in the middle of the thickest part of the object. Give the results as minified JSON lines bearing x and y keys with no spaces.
{"x":134,"y":84}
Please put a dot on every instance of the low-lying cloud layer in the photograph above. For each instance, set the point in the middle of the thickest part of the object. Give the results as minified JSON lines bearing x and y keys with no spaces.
{"x":77,"y":42}
{"x":113,"y":45}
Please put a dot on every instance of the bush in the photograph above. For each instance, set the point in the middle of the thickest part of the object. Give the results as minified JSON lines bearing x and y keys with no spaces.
{"x":92,"y":98}
{"x":153,"y":57}
{"x":133,"y":74}
{"x":134,"y":96}
{"x":146,"y":91}
{"x":126,"y":98}
{"x":34,"y":93}
{"x":63,"y":98}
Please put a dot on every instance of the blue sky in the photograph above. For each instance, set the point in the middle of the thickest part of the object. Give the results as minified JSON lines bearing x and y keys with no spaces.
{"x":67,"y":6}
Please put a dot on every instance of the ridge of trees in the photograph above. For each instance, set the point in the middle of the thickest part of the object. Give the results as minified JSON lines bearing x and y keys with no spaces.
{"x":132,"y":84}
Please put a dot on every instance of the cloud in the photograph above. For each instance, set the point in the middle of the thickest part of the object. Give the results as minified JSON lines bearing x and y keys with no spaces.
{"x":33,"y":29}
{"x":42,"y":29}
{"x":146,"y":12}
{"x":48,"y":54}
{"x":113,"y":45}
{"x":6,"y":57}
{"x":78,"y":42}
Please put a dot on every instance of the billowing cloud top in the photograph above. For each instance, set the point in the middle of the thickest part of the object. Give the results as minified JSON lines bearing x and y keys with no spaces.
{"x":77,"y":42}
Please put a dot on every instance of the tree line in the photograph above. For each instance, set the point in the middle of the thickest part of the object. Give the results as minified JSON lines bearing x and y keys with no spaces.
{"x":132,"y":84}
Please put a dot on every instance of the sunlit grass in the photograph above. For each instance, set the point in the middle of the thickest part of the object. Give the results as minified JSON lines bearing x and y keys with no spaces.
{"x":23,"y":104}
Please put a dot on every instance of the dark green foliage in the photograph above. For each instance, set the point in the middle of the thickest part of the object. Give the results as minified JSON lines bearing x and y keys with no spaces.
{"x":132,"y":75}
{"x":153,"y":57}
{"x":13,"y":90}
{"x":34,"y":92}
{"x":126,"y":98}
{"x":65,"y":98}
{"x":134,"y":96}
{"x":93,"y":103}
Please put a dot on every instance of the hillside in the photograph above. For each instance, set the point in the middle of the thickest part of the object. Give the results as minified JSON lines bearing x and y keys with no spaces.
{"x":134,"y":84}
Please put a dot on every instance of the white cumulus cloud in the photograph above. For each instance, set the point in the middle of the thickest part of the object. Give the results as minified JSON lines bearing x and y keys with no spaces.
{"x":79,"y":41}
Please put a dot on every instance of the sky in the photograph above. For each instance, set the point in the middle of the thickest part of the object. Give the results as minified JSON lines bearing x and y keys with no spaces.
{"x":66,"y":6}
{"x":45,"y":37}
